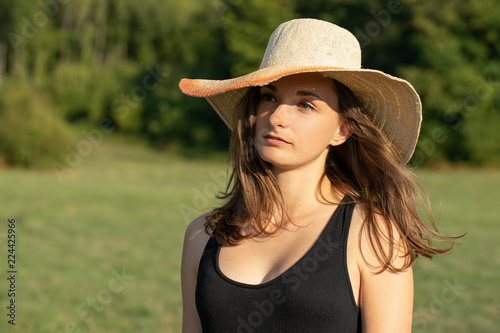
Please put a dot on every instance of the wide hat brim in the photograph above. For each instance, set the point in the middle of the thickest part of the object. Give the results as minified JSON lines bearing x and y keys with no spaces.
{"x":393,"y":103}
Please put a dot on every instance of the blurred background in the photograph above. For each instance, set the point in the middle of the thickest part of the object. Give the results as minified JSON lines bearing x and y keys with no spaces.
{"x":104,"y":162}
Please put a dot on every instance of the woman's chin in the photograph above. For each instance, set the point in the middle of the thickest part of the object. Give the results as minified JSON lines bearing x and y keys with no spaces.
{"x":271,"y":155}
{"x":277,"y":163}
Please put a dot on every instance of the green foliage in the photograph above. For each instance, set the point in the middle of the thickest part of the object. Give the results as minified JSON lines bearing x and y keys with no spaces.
{"x":247,"y":28}
{"x":31,"y":134}
{"x":93,"y":92}
{"x":73,"y":90}
{"x":457,"y":74}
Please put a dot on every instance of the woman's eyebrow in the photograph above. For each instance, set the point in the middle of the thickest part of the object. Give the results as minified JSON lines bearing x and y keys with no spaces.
{"x":307,"y":93}
{"x":298,"y":92}
{"x":271,"y":87}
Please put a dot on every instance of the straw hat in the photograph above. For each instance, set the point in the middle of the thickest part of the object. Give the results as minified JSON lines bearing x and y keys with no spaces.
{"x":310,"y":45}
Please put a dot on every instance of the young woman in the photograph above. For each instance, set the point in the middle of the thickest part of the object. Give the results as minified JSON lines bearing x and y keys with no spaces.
{"x":320,"y":227}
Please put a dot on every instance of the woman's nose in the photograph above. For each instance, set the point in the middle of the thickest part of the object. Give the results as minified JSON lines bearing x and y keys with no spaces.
{"x":280,"y":117}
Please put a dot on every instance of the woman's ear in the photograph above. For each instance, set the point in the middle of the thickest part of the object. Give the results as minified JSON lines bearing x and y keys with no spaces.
{"x":341,"y":136}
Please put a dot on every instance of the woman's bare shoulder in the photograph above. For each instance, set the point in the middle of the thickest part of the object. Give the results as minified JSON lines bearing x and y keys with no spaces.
{"x":195,"y":240}
{"x":373,"y":247}
{"x":367,"y":254}
{"x":385,"y":297}
{"x":196,"y":228}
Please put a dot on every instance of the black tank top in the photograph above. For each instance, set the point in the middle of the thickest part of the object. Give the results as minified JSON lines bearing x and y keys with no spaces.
{"x":314,"y":295}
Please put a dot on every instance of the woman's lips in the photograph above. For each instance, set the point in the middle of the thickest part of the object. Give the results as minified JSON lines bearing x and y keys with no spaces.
{"x":275,"y":140}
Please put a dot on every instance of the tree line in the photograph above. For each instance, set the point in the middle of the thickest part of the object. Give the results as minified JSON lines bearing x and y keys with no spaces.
{"x":72,"y":64}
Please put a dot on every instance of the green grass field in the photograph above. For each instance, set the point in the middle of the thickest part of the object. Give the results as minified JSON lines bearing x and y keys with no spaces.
{"x":100,"y":249}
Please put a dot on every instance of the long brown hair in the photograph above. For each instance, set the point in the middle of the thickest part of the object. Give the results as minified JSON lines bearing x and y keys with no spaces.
{"x":365,"y":167}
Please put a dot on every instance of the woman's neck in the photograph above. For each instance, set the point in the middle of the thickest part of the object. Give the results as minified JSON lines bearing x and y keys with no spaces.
{"x":302,"y":192}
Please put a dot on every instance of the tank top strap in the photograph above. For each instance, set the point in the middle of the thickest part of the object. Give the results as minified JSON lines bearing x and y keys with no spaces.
{"x":337,"y":228}
{"x":348,"y":205}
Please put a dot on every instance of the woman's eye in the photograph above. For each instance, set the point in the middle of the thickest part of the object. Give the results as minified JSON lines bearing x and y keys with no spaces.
{"x":268,"y":98}
{"x":306,"y":106}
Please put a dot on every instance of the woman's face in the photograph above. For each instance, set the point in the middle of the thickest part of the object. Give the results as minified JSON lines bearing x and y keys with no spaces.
{"x":297,"y":121}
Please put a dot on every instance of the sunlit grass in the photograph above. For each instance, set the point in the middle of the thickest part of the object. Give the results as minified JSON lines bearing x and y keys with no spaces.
{"x":119,"y":210}
{"x":459,"y":292}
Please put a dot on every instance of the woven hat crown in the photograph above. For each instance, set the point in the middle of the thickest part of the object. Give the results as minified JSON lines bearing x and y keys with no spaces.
{"x":310,"y":42}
